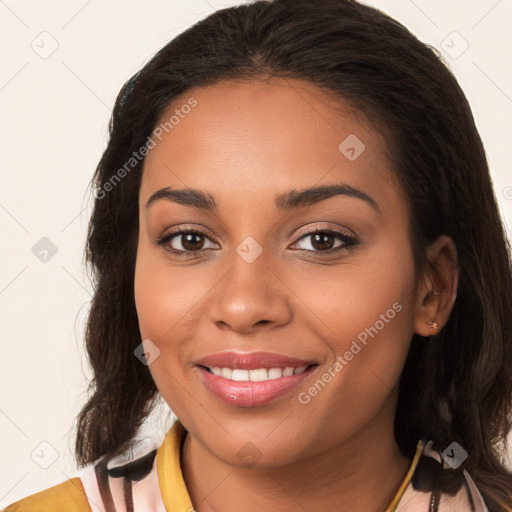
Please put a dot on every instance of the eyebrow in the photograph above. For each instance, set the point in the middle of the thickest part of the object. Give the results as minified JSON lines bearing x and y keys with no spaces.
{"x":287,"y":201}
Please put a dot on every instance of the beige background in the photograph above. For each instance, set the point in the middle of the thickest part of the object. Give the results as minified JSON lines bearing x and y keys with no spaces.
{"x":55,"y":110}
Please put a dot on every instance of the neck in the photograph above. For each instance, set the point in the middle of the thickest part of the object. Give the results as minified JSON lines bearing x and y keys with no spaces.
{"x":364,"y":473}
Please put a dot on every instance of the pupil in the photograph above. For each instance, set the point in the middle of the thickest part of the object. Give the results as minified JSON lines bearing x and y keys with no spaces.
{"x":322,"y":241}
{"x":188,"y":242}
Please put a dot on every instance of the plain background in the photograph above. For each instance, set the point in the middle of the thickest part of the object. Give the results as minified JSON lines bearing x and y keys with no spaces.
{"x":55,"y":112}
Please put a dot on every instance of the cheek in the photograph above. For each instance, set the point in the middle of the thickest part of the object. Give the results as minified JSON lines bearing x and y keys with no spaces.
{"x":163,"y":301}
{"x":363,"y":295}
{"x":366,"y":313}
{"x":377,"y":311}
{"x":168,"y":310}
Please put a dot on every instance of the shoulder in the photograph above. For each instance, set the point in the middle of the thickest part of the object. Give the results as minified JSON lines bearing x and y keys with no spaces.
{"x":424,"y":490}
{"x":68,"y":495}
{"x":128,"y":482}
{"x":100,"y":486}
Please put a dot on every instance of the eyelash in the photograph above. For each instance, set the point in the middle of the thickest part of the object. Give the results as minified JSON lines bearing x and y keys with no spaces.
{"x":348,"y":241}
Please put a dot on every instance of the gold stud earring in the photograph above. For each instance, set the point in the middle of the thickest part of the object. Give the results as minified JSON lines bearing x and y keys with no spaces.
{"x":433,"y":326}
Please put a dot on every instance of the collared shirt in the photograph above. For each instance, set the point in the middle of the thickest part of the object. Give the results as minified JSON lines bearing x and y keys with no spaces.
{"x":153,"y":482}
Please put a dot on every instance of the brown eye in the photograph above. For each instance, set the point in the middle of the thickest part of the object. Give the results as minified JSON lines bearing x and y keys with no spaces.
{"x":322,"y":241}
{"x":326,"y":241}
{"x":185,"y":241}
{"x":191,"y":242}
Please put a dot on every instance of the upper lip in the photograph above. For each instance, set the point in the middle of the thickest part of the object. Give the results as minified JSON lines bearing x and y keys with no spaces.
{"x":251,"y":360}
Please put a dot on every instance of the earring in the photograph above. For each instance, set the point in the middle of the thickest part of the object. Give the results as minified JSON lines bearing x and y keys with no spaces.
{"x":433,"y":326}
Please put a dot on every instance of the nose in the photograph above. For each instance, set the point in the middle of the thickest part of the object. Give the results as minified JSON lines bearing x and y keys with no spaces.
{"x":249,"y":297}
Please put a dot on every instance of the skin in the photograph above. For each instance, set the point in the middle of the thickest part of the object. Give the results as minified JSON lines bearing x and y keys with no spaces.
{"x":244,"y":143}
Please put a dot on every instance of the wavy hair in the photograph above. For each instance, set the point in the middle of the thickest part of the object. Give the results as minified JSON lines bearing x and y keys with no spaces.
{"x":455,"y":386}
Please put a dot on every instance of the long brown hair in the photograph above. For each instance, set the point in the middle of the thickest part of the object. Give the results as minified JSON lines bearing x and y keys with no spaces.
{"x":456,"y":386}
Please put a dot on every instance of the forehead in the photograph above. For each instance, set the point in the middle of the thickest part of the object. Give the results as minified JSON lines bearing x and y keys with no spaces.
{"x":243,"y":136}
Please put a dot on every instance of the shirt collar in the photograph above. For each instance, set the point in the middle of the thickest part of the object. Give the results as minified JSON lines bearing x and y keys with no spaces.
{"x":407,"y":480}
{"x":170,"y":478}
{"x":174,"y":491}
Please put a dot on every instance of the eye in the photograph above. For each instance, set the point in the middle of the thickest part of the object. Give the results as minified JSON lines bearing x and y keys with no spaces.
{"x":326,"y":241}
{"x":185,"y":241}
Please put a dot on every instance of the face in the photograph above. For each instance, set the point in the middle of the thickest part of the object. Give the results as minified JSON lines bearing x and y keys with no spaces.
{"x":278,"y":325}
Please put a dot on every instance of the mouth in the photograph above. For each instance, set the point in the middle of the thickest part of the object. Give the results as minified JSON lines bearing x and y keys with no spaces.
{"x":252,"y":379}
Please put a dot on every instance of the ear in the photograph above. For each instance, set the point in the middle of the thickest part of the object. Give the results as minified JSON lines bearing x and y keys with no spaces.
{"x":437,"y":289}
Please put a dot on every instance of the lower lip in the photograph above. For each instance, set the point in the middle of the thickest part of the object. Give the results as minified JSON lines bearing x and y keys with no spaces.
{"x":251,"y":394}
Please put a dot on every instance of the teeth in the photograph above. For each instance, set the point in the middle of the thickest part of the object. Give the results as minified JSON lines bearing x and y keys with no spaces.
{"x":257,"y":375}
{"x":287,"y":371}
{"x":275,"y":373}
{"x":227,"y":373}
{"x":240,"y":375}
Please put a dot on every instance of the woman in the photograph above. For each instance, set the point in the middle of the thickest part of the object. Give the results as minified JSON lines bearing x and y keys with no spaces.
{"x":296,"y":244}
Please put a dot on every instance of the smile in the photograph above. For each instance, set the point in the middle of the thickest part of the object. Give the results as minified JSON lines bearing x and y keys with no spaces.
{"x":252,"y":379}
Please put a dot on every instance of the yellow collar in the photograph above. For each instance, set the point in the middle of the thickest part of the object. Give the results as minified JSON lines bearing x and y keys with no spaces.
{"x":170,"y":478}
{"x":403,"y":486}
{"x":174,"y":491}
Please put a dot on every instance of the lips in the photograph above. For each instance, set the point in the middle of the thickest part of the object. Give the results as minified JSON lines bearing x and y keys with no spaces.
{"x":254,"y":378}
{"x":251,"y":360}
